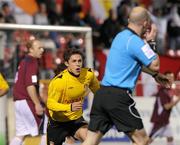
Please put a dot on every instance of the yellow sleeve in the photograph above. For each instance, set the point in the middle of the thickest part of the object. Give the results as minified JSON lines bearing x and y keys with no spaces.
{"x":54,"y":95}
{"x":3,"y":83}
{"x":94,"y":85}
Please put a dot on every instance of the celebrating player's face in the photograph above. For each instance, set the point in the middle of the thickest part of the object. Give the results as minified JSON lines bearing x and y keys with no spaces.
{"x":74,"y":64}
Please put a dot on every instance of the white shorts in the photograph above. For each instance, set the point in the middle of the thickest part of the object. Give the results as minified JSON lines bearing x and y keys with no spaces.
{"x":165,"y":131}
{"x":25,"y":120}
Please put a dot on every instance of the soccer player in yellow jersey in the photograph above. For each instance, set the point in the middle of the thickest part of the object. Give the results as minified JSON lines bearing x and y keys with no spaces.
{"x":65,"y":99}
{"x":4,"y":87}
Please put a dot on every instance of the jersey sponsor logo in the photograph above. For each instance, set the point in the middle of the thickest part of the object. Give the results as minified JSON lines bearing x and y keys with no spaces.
{"x":70,"y":87}
{"x":34,"y":78}
{"x":148,"y":52}
{"x":72,"y":101}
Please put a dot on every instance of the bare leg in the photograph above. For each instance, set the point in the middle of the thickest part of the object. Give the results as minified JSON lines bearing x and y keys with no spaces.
{"x":93,"y":138}
{"x":69,"y":141}
{"x":17,"y":140}
{"x":139,"y":137}
{"x":81,"y":133}
{"x":43,"y":140}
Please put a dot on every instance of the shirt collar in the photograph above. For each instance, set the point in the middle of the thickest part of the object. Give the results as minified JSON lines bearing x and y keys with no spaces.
{"x":132,"y":31}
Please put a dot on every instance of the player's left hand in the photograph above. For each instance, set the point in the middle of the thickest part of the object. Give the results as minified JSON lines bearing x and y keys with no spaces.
{"x":39,"y":109}
{"x":163,"y":80}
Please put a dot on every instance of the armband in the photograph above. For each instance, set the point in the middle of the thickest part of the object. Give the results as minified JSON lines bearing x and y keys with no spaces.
{"x":152,"y":44}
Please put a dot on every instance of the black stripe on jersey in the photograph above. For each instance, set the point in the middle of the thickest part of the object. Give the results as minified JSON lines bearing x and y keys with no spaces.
{"x":60,"y":76}
{"x":90,"y":69}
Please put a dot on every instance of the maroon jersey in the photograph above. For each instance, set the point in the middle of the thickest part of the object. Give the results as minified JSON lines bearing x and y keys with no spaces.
{"x":160,"y":114}
{"x":27,"y":75}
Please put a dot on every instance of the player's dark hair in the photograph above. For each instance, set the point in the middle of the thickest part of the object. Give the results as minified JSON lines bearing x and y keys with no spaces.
{"x":71,"y":51}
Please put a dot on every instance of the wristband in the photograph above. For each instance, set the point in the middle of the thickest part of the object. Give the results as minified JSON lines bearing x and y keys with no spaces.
{"x":152,"y":44}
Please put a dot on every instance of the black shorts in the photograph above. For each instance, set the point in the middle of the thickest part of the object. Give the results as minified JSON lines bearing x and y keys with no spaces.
{"x":58,"y":131}
{"x":114,"y":106}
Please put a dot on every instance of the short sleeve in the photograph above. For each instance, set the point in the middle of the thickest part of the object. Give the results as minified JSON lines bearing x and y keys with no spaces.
{"x":31,"y":72}
{"x":140,"y":50}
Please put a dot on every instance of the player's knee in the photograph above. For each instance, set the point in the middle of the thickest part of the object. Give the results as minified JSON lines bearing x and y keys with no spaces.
{"x":81,"y":134}
{"x":55,"y":141}
{"x":143,"y":141}
{"x":147,"y":140}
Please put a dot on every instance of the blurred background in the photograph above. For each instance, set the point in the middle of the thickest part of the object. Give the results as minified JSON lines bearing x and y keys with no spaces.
{"x":106,"y":18}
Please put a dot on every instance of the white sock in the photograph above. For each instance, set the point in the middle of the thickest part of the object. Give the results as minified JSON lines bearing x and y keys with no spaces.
{"x":16,"y":141}
{"x":43,"y":140}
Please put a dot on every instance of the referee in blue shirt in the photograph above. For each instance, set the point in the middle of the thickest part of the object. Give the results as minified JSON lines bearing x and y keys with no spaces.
{"x":130,"y":53}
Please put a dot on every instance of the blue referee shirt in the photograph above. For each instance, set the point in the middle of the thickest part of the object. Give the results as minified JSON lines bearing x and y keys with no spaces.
{"x":127,"y":54}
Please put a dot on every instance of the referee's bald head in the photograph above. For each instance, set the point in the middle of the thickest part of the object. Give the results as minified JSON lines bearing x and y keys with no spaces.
{"x":138,"y":15}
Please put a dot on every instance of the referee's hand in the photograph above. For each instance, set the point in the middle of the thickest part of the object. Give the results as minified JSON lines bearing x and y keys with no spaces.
{"x":163,"y":80}
{"x":76,"y":106}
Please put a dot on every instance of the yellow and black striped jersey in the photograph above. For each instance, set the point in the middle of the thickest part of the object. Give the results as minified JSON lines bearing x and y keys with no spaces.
{"x":65,"y":89}
{"x":3,"y":83}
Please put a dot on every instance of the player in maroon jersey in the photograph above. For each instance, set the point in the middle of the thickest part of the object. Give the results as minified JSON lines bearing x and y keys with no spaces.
{"x":28,"y":108}
{"x":164,"y":103}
